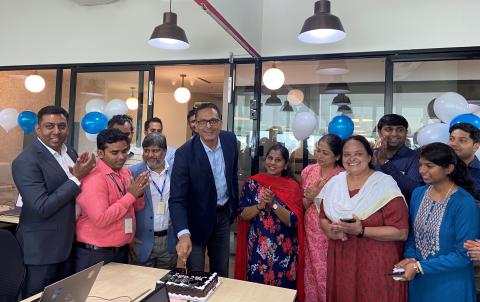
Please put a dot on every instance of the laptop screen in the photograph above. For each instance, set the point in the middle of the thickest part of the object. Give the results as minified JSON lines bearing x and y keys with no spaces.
{"x":159,"y":294}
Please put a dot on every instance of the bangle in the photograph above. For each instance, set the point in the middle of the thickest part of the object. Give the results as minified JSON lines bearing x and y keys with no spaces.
{"x":362,"y":232}
{"x":416,"y":266}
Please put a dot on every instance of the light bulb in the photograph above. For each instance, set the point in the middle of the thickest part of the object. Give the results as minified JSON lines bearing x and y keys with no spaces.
{"x":34,"y":83}
{"x":182,"y":95}
{"x":273,"y":78}
{"x":132,"y":103}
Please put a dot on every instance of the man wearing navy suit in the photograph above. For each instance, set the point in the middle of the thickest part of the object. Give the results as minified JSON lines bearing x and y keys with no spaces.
{"x":154,"y":238}
{"x":204,"y":193}
{"x":47,"y":175}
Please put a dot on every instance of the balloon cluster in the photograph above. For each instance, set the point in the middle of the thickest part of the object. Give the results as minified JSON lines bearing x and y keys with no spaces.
{"x":10,"y":118}
{"x":451,"y":108}
{"x":98,"y":112}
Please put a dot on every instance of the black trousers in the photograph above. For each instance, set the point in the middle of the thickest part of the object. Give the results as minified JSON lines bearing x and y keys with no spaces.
{"x":84,"y":258}
{"x":39,"y":276}
{"x":218,"y":247}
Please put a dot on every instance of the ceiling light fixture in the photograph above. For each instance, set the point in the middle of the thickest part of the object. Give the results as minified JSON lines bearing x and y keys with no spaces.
{"x":295,"y":96}
{"x":322,"y":27}
{"x":344,"y":109}
{"x":286,"y":107}
{"x":169,"y":35}
{"x":182,"y":94}
{"x":341,"y":99}
{"x":34,"y":83}
{"x":132,"y":102}
{"x":273,"y":100}
{"x":273,"y":78}
{"x":340,"y":87}
{"x":332,"y":67}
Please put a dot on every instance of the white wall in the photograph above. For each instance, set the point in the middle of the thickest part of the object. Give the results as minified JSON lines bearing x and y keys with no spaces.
{"x":61,"y":31}
{"x":374,"y":25}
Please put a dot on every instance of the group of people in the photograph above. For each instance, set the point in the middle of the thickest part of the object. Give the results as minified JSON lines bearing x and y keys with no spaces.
{"x":362,"y":224}
{"x":365,"y":224}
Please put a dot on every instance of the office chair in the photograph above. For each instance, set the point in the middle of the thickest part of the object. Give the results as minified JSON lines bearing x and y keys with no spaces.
{"x":12,"y":272}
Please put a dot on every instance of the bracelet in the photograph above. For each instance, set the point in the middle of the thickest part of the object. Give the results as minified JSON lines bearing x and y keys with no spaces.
{"x":416,"y":266}
{"x":362,"y":232}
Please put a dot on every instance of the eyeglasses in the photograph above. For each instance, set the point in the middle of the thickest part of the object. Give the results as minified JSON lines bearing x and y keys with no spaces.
{"x":213,"y":122}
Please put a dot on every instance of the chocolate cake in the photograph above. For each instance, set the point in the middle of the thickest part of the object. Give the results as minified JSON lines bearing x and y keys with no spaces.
{"x":193,"y":285}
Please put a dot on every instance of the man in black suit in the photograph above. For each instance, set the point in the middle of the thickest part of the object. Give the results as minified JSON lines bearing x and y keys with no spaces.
{"x":204,"y":193}
{"x":47,"y":175}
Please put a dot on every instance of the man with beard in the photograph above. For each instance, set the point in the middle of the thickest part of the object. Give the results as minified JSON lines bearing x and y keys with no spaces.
{"x":392,"y":157}
{"x":465,"y":140}
{"x":108,"y":200}
{"x":154,"y":238}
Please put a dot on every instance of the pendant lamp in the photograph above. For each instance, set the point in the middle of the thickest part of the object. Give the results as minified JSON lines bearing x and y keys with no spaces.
{"x":132,"y":102}
{"x":273,"y":100}
{"x":273,"y":78}
{"x":182,"y":94}
{"x":322,"y":27}
{"x":169,"y":35}
{"x":344,"y":109}
{"x":286,"y":107}
{"x":340,"y":87}
{"x":34,"y":83}
{"x":341,"y":99}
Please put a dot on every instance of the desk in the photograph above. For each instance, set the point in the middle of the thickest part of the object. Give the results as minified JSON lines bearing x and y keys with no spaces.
{"x":117,"y":279}
{"x":6,"y":218}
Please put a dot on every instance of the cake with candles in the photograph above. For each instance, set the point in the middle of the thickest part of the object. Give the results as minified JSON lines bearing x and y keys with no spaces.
{"x":192,"y":286}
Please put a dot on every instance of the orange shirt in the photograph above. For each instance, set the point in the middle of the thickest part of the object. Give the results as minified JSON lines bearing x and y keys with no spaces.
{"x":106,"y":208}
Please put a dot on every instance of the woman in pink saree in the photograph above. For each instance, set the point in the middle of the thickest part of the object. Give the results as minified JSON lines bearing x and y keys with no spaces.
{"x":314,"y":177}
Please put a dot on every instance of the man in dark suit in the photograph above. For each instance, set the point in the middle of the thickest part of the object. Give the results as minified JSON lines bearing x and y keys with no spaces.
{"x":47,"y":175}
{"x":204,"y":193}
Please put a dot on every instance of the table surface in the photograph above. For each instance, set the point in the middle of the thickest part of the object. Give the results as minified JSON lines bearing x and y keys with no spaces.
{"x":6,"y":218}
{"x":115,"y":280}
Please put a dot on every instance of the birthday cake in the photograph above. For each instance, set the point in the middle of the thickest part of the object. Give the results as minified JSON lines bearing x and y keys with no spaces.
{"x":195,"y":286}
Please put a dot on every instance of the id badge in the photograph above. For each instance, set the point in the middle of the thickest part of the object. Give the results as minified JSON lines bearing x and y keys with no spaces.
{"x":161,"y":207}
{"x":128,"y":225}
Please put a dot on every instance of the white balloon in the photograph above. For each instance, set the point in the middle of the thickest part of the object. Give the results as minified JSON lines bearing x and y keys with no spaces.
{"x":472,"y":108}
{"x":91,"y":137}
{"x":450,"y":105}
{"x":115,"y":107}
{"x":431,"y":133}
{"x":304,"y":124}
{"x":95,"y":105}
{"x":433,"y":121}
{"x":8,"y":119}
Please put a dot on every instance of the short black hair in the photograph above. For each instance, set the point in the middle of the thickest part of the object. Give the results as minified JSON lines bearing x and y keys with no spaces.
{"x":361,"y":139}
{"x":208,"y":105}
{"x":155,"y":139}
{"x":51,"y":110}
{"x":190,"y":114}
{"x":120,"y":119}
{"x":469,"y":128}
{"x":392,"y":120}
{"x":110,"y":136}
{"x":146,"y":125}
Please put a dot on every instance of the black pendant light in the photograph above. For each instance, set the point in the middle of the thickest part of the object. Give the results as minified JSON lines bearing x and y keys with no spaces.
{"x":286,"y":107}
{"x":340,"y":87}
{"x":344,"y":109}
{"x":322,"y":27}
{"x":341,"y":99}
{"x":273,"y":100}
{"x":169,"y":35}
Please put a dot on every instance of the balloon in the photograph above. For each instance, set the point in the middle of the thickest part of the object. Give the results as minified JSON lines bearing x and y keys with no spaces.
{"x":295,"y":96}
{"x":8,"y":118}
{"x":341,"y":125}
{"x":303,"y":125}
{"x":115,"y":107}
{"x":27,"y":121}
{"x":94,"y":122}
{"x":433,"y":121}
{"x":91,"y":137}
{"x":449,"y":105}
{"x":95,"y":104}
{"x":472,"y":108}
{"x":467,"y":118}
{"x":432,"y":133}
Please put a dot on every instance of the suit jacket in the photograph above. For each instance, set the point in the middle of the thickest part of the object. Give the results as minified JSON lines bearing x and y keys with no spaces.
{"x":145,"y":222}
{"x":47,"y":221}
{"x":193,"y":196}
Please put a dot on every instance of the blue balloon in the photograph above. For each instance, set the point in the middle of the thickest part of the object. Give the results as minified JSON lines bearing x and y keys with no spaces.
{"x":27,"y":121}
{"x":466,"y":118}
{"x":341,"y":125}
{"x":94,"y":122}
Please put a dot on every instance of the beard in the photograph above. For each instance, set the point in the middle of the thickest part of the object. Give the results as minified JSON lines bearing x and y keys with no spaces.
{"x":154,"y":164}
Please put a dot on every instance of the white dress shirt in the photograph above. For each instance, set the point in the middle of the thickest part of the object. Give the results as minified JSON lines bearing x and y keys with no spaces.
{"x":64,"y":160}
{"x":162,"y":181}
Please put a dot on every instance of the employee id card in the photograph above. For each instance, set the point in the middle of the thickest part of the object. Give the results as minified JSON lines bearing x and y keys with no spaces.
{"x":161,"y":205}
{"x":128,"y":225}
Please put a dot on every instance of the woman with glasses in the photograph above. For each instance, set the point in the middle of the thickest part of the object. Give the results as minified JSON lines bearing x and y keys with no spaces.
{"x":270,"y":229}
{"x":365,"y":217}
{"x":443,"y":216}
{"x":314,"y":177}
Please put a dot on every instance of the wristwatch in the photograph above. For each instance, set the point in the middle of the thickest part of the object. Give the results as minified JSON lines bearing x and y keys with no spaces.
{"x":275,"y":206}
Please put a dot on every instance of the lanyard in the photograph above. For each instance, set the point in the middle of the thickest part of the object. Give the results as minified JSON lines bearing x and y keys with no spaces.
{"x":156,"y":186}
{"x":118,"y":187}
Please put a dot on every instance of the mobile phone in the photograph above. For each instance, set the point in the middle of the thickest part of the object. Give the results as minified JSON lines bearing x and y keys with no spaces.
{"x":348,"y":220}
{"x":397,"y":272}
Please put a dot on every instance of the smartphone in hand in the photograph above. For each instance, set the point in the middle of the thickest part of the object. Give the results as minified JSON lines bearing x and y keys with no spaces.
{"x":348,"y":220}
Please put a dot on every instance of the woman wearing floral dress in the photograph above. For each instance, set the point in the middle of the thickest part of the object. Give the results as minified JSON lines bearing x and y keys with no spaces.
{"x":314,"y":177}
{"x":270,"y":230}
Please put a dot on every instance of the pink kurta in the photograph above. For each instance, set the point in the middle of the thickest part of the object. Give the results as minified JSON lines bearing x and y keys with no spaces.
{"x":316,"y":243}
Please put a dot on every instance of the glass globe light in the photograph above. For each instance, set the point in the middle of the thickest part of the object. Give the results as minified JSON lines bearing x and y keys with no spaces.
{"x":182,"y":95}
{"x":34,"y":83}
{"x":273,"y":78}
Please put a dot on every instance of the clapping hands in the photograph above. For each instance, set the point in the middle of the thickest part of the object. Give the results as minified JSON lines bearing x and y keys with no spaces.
{"x":84,"y":164}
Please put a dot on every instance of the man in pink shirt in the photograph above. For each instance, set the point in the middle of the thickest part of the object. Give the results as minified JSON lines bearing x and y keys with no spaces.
{"x":108,"y":200}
